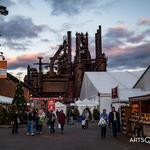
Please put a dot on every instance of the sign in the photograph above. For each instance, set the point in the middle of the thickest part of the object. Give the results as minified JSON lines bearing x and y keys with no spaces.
{"x":51,"y":105}
{"x":3,"y":69}
{"x":46,"y":98}
{"x":115,"y":92}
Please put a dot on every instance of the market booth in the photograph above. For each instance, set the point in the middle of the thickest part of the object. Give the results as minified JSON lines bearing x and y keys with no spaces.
{"x":140,"y":113}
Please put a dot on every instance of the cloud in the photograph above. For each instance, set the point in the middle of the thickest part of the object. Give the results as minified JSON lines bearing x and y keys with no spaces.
{"x":69,"y":7}
{"x":45,"y":40}
{"x":74,"y":7}
{"x":136,"y":38}
{"x":20,"y":27}
{"x":23,"y":45}
{"x":131,"y":57}
{"x":24,"y":60}
{"x":126,"y":49}
{"x":144,"y":21}
{"x":7,"y":3}
{"x":18,"y":32}
{"x":118,"y":32}
{"x":120,"y":35}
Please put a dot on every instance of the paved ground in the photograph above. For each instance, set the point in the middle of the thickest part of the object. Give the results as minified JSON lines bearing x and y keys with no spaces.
{"x":74,"y":138}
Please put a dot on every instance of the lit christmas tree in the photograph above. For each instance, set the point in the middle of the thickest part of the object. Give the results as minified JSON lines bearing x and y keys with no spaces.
{"x":19,"y":99}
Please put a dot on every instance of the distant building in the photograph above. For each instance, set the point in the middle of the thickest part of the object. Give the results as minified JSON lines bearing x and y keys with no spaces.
{"x":8,"y":87}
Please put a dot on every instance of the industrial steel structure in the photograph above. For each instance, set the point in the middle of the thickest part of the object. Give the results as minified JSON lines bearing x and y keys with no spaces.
{"x":65,"y":74}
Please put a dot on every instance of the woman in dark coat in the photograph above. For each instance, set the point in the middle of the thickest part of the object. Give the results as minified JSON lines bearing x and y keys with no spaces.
{"x":61,"y":120}
{"x":15,"y":122}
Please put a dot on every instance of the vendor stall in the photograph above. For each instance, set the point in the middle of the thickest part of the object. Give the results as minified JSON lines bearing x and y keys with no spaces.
{"x":140,"y":114}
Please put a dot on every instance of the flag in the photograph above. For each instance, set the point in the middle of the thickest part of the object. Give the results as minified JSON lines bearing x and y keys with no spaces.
{"x":115,"y":92}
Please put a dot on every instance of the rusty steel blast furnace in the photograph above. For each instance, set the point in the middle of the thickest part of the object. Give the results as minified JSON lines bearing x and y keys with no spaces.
{"x":65,"y":76}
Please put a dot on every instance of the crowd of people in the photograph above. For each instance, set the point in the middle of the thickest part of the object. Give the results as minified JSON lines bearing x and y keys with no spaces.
{"x":37,"y":118}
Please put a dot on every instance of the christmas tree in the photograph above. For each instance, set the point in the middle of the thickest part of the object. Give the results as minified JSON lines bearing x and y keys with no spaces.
{"x":19,"y":99}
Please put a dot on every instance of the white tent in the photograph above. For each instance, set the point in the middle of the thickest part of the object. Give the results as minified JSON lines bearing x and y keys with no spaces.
{"x":86,"y":102}
{"x":144,"y":80}
{"x":60,"y":106}
{"x":103,"y":82}
{"x":6,"y":100}
{"x":91,"y":104}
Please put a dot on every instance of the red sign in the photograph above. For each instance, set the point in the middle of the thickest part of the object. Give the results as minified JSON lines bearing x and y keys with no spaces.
{"x":51,"y":105}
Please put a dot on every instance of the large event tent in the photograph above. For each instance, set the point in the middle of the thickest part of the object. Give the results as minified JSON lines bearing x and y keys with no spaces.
{"x":103,"y":82}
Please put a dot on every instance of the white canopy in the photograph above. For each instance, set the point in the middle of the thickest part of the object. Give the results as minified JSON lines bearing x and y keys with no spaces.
{"x":144,"y":81}
{"x":98,"y":86}
{"x":124,"y":94}
{"x":86,"y":102}
{"x":103,"y":82}
{"x":60,"y":106}
{"x":91,"y":104}
{"x":6,"y":100}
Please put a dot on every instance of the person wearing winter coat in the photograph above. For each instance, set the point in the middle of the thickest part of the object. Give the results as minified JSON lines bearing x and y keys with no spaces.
{"x":103,"y":122}
{"x":61,"y":120}
{"x":51,"y":121}
{"x":15,"y":122}
{"x":114,"y":119}
{"x":41,"y":120}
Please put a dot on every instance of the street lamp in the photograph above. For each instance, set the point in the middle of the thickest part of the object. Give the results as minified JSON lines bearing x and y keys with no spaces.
{"x":3,"y":10}
{"x":98,"y":101}
{"x":2,"y":56}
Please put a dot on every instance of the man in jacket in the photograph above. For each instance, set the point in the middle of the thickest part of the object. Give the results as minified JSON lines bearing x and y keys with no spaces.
{"x":114,"y":119}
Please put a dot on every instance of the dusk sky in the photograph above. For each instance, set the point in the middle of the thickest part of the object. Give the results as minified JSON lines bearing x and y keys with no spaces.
{"x":36,"y":27}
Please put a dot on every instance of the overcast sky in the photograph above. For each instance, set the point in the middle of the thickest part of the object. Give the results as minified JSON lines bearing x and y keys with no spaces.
{"x":37,"y":27}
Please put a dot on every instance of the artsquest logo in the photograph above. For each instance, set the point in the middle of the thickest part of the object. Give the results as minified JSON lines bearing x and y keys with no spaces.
{"x":140,"y":140}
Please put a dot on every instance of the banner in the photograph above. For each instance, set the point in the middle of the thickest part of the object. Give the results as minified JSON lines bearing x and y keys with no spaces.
{"x":3,"y":69}
{"x":51,"y":105}
{"x":115,"y":92}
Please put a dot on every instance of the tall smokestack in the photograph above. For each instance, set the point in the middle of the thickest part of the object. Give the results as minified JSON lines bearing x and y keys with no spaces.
{"x":100,"y":40}
{"x":69,"y":46}
{"x":77,"y":47}
{"x":28,"y":73}
{"x":98,"y":43}
{"x":87,"y":40}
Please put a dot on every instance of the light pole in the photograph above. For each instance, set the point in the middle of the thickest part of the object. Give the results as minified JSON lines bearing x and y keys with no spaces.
{"x":3,"y":11}
{"x":2,"y":56}
{"x":99,"y":101}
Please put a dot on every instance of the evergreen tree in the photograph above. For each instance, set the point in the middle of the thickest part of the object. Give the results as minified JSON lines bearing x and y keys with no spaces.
{"x":19,"y":99}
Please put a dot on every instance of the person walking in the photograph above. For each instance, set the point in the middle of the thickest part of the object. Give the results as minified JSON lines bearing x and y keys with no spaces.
{"x":15,"y":122}
{"x":86,"y":116}
{"x":51,"y":121}
{"x":30,"y":122}
{"x":71,"y":117}
{"x":103,"y":122}
{"x":41,"y":120}
{"x":114,"y":119}
{"x":61,"y":120}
